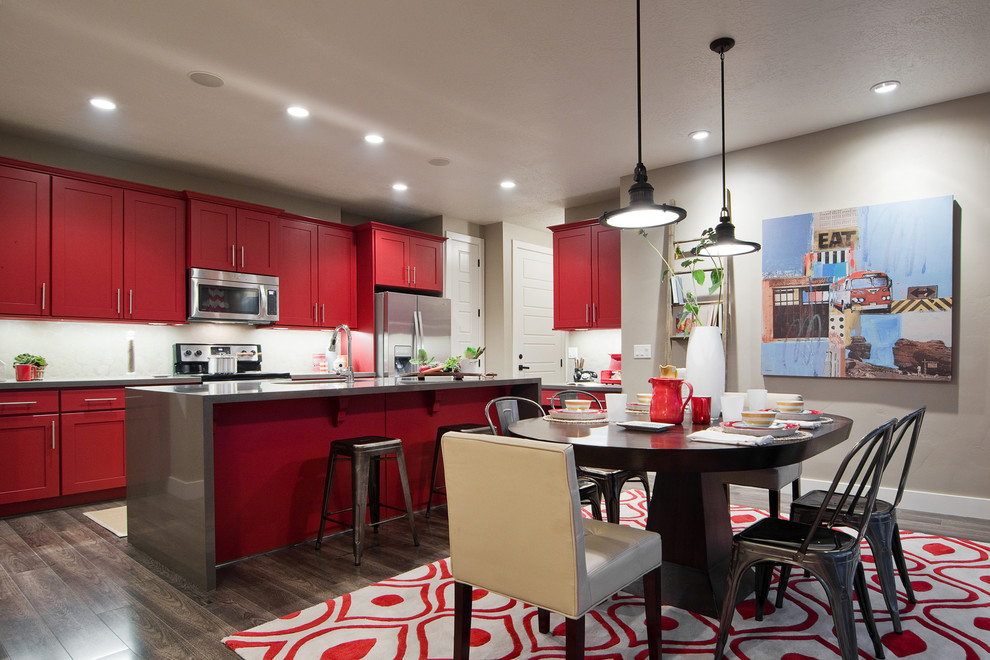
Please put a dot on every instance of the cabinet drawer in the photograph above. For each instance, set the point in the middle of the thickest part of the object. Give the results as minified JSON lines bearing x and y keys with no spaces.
{"x":28,"y":402}
{"x":104,"y":398}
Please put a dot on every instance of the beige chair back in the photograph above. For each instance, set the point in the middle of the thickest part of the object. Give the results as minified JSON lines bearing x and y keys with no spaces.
{"x":515,"y":519}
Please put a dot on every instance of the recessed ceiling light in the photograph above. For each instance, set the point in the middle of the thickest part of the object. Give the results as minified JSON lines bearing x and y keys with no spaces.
{"x":206,"y":79}
{"x":885,"y":87}
{"x":439,"y":162}
{"x":400,"y":187}
{"x":297,"y":111}
{"x":699,"y":135}
{"x":103,"y":104}
{"x":374,"y":138}
{"x":508,"y":184}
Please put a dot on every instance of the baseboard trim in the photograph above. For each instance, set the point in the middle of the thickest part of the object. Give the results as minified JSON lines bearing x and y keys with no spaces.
{"x":916,"y":500}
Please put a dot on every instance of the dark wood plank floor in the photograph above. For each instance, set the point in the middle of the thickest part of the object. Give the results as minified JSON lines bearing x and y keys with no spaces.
{"x":71,"y":589}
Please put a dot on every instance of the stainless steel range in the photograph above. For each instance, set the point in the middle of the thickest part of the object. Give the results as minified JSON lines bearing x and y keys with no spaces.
{"x":222,"y":362}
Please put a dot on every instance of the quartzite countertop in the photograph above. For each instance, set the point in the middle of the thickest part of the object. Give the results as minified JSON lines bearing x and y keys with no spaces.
{"x":225,"y":470}
{"x":108,"y":381}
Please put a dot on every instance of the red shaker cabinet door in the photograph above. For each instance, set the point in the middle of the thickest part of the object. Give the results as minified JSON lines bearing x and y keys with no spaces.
{"x":572,"y":279}
{"x":606,"y":283}
{"x":297,"y":275}
{"x":92,"y":451}
{"x":87,"y":246}
{"x":257,"y":242}
{"x":391,"y":252}
{"x":25,"y":234}
{"x":337,"y":277}
{"x":29,"y":469}
{"x":212,"y":235}
{"x":154,"y":257}
{"x":426,"y":261}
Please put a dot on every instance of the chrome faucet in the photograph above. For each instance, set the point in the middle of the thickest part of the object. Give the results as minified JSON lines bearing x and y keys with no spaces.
{"x":349,"y":371}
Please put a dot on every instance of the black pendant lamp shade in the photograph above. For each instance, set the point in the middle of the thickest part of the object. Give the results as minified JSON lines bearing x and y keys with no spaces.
{"x":725,"y":244}
{"x":642,"y":211}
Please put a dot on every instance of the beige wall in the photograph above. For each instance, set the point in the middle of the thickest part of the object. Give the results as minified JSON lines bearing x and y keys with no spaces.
{"x":938,"y":150}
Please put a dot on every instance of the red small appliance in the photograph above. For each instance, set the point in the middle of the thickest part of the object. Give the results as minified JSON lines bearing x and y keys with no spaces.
{"x":613,"y":375}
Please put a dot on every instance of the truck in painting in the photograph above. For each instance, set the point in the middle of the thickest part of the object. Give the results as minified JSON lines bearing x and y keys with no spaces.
{"x":865,"y":290}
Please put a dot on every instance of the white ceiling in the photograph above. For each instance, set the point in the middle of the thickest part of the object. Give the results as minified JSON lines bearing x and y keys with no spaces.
{"x":538,"y":91}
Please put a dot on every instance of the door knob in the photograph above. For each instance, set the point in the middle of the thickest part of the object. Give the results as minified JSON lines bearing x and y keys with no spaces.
{"x":522,"y":367}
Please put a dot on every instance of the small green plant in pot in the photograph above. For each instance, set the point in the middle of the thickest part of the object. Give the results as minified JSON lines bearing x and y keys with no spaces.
{"x":37,"y":361}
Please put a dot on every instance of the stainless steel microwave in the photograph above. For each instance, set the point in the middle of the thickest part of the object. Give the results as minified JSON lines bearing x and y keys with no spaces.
{"x":216,"y":295}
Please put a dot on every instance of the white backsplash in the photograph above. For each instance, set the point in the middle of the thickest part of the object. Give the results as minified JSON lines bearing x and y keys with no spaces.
{"x":96,"y":350}
{"x":595,"y":346}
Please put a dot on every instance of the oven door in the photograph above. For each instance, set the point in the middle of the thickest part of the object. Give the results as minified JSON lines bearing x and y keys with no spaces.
{"x":232,"y":297}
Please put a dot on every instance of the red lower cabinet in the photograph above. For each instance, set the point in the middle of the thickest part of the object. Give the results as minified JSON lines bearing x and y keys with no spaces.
{"x":29,"y":463}
{"x":92,"y":451}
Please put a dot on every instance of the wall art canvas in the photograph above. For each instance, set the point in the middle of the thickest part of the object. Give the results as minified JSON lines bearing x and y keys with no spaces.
{"x":860,"y":292}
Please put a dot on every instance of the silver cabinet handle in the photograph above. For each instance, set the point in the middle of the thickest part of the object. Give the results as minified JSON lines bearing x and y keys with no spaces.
{"x":316,"y":313}
{"x":118,"y":302}
{"x":233,"y":256}
{"x":131,"y":304}
{"x":587,"y":316}
{"x":414,"y":275}
{"x":17,"y":403}
{"x":111,"y":398}
{"x":53,"y":434}
{"x":407,"y":275}
{"x":323,"y":313}
{"x":242,"y":256}
{"x":594,"y":312}
{"x":43,"y":294}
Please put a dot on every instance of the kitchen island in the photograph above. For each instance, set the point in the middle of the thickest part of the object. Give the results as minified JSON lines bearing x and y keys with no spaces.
{"x":221,"y":471}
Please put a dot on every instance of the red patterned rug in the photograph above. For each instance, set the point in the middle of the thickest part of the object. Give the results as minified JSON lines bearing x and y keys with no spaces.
{"x":410,"y":616}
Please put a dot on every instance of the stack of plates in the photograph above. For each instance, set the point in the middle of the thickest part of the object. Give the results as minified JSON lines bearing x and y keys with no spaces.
{"x":638,"y":407}
{"x":804,"y":415}
{"x":563,"y":414}
{"x":777,"y":429}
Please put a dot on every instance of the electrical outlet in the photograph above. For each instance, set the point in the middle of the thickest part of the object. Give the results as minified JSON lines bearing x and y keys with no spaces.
{"x":572,"y":352}
{"x":642,"y":351}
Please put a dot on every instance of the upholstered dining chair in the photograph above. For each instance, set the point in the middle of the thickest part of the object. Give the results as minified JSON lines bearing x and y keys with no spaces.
{"x":610,"y":482}
{"x":828,"y":553}
{"x":509,"y":409}
{"x":548,"y":556}
{"x":773,"y":480}
{"x":882,"y":531}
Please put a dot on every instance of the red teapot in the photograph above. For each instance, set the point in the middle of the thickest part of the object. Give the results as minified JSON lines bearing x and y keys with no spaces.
{"x":667,"y":405}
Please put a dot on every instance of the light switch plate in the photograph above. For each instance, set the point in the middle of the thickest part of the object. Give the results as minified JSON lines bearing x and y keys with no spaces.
{"x":642,"y":351}
{"x":572,"y":352}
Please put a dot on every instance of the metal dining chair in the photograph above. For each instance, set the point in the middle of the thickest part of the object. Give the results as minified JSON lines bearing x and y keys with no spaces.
{"x":509,"y":409}
{"x":610,"y":482}
{"x":828,"y":553}
{"x":881,"y":530}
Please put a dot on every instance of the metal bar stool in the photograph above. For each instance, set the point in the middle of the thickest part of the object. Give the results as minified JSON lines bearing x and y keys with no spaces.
{"x":365,"y":453}
{"x":473,"y":427}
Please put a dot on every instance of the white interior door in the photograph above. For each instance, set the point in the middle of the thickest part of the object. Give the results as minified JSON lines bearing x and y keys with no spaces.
{"x":464,"y":284}
{"x":535,"y":345}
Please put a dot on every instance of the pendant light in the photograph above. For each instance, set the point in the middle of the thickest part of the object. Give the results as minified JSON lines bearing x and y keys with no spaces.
{"x":641,"y":211}
{"x":725,"y":244}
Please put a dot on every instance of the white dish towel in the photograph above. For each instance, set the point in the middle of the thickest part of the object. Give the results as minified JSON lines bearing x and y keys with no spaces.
{"x":721,"y":437}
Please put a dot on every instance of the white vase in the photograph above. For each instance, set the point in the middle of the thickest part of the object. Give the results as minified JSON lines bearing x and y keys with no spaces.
{"x":705,"y":364}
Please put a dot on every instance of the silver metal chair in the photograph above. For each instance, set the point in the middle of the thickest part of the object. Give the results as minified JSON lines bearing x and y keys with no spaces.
{"x":547,"y":555}
{"x":831,"y":555}
{"x":882,"y":531}
{"x":610,"y":482}
{"x":467,"y":427}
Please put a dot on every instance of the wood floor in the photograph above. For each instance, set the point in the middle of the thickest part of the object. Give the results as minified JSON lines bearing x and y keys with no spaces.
{"x":71,"y":589}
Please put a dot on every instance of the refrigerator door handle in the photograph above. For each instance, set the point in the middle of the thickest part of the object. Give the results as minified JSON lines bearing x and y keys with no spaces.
{"x":417,"y":333}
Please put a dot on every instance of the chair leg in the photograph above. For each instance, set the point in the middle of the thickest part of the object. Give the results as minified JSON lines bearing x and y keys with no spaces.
{"x":879,"y":532}
{"x":736,"y":571}
{"x":404,"y":478}
{"x":359,"y":494}
{"x":838,"y":581}
{"x":898,"y":552}
{"x":462,"y":620}
{"x":774,"y":503}
{"x":374,"y":492}
{"x":543,"y":620}
{"x":575,"y":639}
{"x":433,"y":473}
{"x":326,"y":499}
{"x":610,"y":491}
{"x":863,"y":596}
{"x":764,"y":572}
{"x":654,"y":627}
{"x":785,"y":574}
{"x":796,"y":489}
{"x":644,"y":477}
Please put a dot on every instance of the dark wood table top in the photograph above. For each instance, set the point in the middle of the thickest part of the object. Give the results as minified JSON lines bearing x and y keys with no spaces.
{"x":611,"y":446}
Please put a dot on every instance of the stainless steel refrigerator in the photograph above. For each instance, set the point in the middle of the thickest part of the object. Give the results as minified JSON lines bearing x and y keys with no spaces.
{"x":408,"y":326}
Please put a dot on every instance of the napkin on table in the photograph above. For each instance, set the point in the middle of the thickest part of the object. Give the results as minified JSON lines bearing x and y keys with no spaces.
{"x":721,"y":437}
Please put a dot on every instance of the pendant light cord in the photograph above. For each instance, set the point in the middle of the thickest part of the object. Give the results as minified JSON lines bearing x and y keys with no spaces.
{"x":639,"y":92}
{"x":725,"y":206}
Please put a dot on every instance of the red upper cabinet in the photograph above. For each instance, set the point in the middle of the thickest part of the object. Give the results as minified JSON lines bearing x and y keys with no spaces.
{"x":234,"y":238}
{"x":316,"y":273}
{"x":587,"y":291}
{"x":154,"y":257}
{"x":87,"y":249}
{"x":25,"y":248}
{"x":401,"y":258}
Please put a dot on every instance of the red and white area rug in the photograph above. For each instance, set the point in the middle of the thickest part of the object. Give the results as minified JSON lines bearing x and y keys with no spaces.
{"x":410,"y":616}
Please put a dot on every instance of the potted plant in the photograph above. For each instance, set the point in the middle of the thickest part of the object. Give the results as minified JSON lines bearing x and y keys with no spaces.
{"x":38,"y":362}
{"x":713,"y":276}
{"x":471,"y":362}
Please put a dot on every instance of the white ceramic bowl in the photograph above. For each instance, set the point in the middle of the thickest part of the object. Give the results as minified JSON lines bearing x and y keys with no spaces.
{"x":577,"y":404}
{"x":644,"y":398}
{"x":758,"y":417}
{"x":790,"y":406}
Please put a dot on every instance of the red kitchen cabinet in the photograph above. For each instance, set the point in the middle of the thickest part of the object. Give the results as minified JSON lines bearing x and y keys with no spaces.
{"x":92,"y":456}
{"x":29,"y":467}
{"x":233,"y":238}
{"x":400,"y":258}
{"x":154,"y":257}
{"x":25,"y":252}
{"x":317,"y":274}
{"x":87,"y":249}
{"x":587,"y":291}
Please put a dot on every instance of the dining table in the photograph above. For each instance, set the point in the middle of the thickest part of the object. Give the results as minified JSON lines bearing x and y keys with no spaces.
{"x":689,"y":505}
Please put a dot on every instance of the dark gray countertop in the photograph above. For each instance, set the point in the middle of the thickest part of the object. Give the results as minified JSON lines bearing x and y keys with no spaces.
{"x":585,"y":385}
{"x":109,"y":381}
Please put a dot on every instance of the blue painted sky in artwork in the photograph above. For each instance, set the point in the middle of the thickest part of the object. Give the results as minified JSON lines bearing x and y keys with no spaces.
{"x":794,"y":358}
{"x":910,"y":241}
{"x":785,"y":242}
{"x":881,"y":331}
